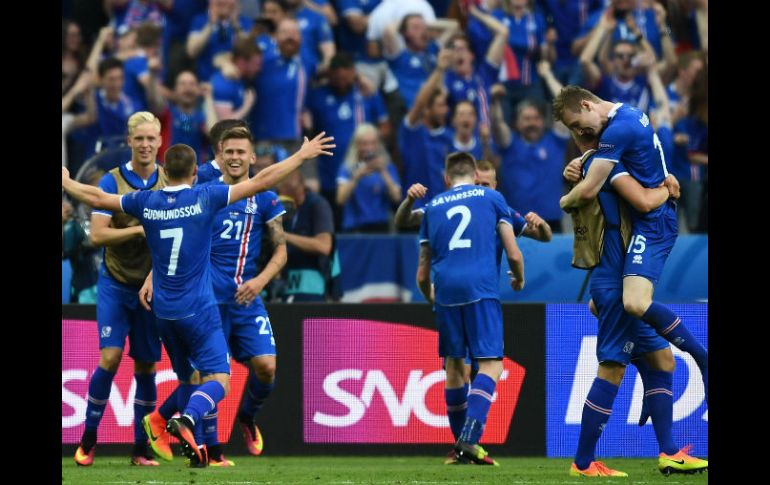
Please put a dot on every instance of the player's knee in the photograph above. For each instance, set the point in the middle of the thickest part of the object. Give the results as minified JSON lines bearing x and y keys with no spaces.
{"x":144,"y":367}
{"x":634,"y":305}
{"x":664,"y":361}
{"x":612,"y":372}
{"x":592,"y":308}
{"x":265,"y":370}
{"x":109,"y":359}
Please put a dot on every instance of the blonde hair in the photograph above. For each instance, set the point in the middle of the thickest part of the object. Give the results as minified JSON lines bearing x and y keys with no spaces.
{"x":140,"y":118}
{"x":351,"y":155}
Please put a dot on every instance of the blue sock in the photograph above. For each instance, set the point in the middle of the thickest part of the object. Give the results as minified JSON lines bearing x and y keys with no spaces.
{"x":210,"y":428}
{"x":479,"y":400}
{"x":456,"y":408}
{"x":256,"y":393}
{"x":184,"y":391}
{"x":98,"y":394}
{"x":670,"y":327}
{"x":203,"y":400}
{"x":660,"y":403}
{"x":169,"y":406}
{"x":596,"y":412}
{"x":643,"y":370}
{"x":144,"y":403}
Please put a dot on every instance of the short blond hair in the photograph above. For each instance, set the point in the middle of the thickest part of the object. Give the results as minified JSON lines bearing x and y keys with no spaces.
{"x":569,"y":98}
{"x":485,"y":166}
{"x":140,"y":118}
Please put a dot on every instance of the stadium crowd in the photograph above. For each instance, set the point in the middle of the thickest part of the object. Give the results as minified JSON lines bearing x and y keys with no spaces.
{"x":400,"y":84}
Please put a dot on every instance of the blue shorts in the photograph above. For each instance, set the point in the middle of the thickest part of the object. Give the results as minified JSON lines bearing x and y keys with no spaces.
{"x":621,"y":336}
{"x":247,"y":330}
{"x":119,"y":314}
{"x":196,"y":343}
{"x":474,"y":330}
{"x":651,"y":243}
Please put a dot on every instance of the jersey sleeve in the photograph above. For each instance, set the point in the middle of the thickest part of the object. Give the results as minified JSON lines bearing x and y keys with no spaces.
{"x":132,"y":202}
{"x":107,"y":184}
{"x":218,"y":195}
{"x":424,"y":227}
{"x":272,"y":207}
{"x":612,"y":144}
{"x":502,"y":212}
{"x":519,"y":223}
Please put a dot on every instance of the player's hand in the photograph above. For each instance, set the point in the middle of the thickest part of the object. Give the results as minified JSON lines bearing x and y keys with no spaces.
{"x":445,"y":59}
{"x":65,"y":174}
{"x":317,"y":146}
{"x":249,"y":291}
{"x":145,"y":294}
{"x":572,"y":172}
{"x":516,"y":284}
{"x":534,"y":220}
{"x":416,"y":191}
{"x":672,"y":184}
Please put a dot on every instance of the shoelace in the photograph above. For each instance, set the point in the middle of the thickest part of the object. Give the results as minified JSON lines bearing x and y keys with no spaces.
{"x":602,"y":468}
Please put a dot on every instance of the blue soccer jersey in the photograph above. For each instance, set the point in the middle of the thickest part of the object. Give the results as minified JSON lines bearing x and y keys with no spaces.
{"x":412,"y":69}
{"x":474,"y":88}
{"x":423,"y":152}
{"x":315,"y":30}
{"x":222,"y":39}
{"x":341,"y":114}
{"x":208,"y":171}
{"x":227,"y":92}
{"x":189,"y":128}
{"x":178,"y":224}
{"x":629,"y":138}
{"x":281,"y":89}
{"x":460,"y":225}
{"x":236,"y":241}
{"x":134,"y":68}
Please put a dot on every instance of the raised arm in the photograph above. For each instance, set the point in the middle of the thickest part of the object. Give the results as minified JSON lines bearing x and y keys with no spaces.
{"x":196,"y":41}
{"x":501,"y":132}
{"x":273,"y":174}
{"x":495,"y":51}
{"x":591,"y":70}
{"x":434,"y":81}
{"x":405,"y":217}
{"x":88,"y":194}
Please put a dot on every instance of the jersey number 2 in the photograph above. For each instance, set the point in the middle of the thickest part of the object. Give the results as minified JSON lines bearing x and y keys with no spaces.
{"x":176,"y":235}
{"x":465,"y":219}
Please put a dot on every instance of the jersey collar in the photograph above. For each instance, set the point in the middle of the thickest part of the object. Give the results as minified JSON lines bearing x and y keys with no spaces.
{"x":614,"y":110}
{"x":176,"y":188}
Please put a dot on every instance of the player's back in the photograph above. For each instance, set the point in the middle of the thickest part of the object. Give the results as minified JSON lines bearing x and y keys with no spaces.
{"x":177,"y":224}
{"x":629,"y":138}
{"x":460,"y":225}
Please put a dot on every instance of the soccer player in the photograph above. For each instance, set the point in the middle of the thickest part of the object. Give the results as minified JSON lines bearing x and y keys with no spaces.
{"x":235,"y":249}
{"x":458,"y":232}
{"x":178,"y":223}
{"x":622,"y":337}
{"x":531,"y":225}
{"x":211,"y":170}
{"x":625,"y":135}
{"x":118,"y":314}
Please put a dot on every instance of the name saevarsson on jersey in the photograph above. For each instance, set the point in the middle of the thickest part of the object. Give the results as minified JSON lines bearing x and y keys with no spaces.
{"x":453,"y":197}
{"x":187,"y":211}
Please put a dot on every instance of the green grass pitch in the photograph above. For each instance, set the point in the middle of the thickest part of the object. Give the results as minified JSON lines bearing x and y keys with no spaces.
{"x":413,"y":470}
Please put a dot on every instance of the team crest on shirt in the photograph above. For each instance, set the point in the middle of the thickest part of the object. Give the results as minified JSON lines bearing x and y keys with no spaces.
{"x":106,"y":331}
{"x":628,"y":348}
{"x":251,"y":206}
{"x":637,"y":259}
{"x":542,"y":153}
{"x":415,"y":62}
{"x":344,"y":112}
{"x":170,"y":199}
{"x":644,"y":120}
{"x":303,"y":23}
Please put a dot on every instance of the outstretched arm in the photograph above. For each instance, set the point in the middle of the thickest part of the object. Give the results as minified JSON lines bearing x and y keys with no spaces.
{"x":275,"y":173}
{"x":88,"y":194}
{"x":642,"y":199}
